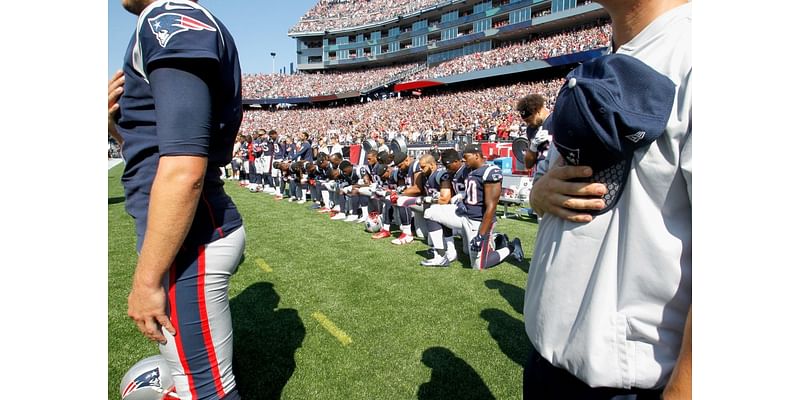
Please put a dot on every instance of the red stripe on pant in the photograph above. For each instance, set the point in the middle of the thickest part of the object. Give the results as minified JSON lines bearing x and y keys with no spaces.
{"x":484,"y":251}
{"x":206,"y":328}
{"x":173,"y":305}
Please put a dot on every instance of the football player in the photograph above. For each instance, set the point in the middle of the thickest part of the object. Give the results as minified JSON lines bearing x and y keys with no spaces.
{"x":356,"y":182}
{"x":411,"y":185}
{"x":440,"y":217}
{"x":385,"y":189}
{"x":477,"y":211}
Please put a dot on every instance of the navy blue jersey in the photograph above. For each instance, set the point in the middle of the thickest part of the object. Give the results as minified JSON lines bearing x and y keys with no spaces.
{"x":305,"y":153}
{"x":434,"y":182}
{"x":474,"y":193}
{"x":458,"y":181}
{"x":258,"y":148}
{"x":407,"y":177}
{"x":184,"y":31}
{"x":278,"y":151}
{"x":289,"y":150}
{"x":356,"y":175}
{"x":268,"y":146}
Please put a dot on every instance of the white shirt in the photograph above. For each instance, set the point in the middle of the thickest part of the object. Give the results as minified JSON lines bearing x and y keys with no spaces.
{"x":607,"y":300}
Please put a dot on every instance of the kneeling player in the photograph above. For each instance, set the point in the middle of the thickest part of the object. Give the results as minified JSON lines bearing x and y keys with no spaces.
{"x":477,"y":211}
{"x":440,"y":217}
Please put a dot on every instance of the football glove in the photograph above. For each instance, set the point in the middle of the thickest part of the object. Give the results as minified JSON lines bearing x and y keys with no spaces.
{"x":461,"y":208}
{"x":476,"y":242}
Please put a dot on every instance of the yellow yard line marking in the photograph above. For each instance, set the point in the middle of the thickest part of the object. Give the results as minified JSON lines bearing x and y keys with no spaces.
{"x":331,"y":328}
{"x":263,"y":265}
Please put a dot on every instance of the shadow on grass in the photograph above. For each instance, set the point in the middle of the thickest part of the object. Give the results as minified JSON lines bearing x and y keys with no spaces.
{"x":451,"y":378}
{"x":116,"y":200}
{"x":509,"y":333}
{"x":513,"y":294}
{"x":265,"y":341}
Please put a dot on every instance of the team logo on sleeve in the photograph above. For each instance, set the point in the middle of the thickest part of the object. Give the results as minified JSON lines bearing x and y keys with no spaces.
{"x":167,"y":25}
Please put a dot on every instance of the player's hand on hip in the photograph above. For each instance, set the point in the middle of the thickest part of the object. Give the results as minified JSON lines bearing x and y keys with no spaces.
{"x":553,"y":193}
{"x":147,"y":307}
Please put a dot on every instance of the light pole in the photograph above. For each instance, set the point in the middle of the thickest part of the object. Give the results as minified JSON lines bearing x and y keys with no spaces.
{"x":273,"y":61}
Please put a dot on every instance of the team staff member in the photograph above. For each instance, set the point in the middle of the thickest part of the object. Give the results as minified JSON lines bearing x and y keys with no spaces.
{"x":477,"y":211}
{"x":179,"y":115}
{"x":609,"y":295}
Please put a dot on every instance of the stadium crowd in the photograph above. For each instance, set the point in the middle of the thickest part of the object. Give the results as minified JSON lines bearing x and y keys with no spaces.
{"x":338,"y":14}
{"x":259,"y":86}
{"x":572,"y":41}
{"x":256,"y":86}
{"x":484,"y":113}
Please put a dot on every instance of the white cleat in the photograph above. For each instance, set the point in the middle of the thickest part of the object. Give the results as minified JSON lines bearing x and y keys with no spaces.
{"x":338,"y":216}
{"x":403,"y":239}
{"x":351,"y":218}
{"x":437,"y":261}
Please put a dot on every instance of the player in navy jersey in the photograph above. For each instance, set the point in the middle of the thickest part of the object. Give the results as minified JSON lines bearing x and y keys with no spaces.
{"x":356,"y":178}
{"x":386,"y":181}
{"x":410,"y":186}
{"x":477,"y":211}
{"x":440,"y":217}
{"x":277,"y":156}
{"x":269,"y":152}
{"x":178,"y":116}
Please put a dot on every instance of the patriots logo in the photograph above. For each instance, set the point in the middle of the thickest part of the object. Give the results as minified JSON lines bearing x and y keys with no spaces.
{"x":167,"y":25}
{"x":150,"y":378}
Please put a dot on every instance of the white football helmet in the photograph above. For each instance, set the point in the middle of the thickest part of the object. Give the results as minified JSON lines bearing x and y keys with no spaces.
{"x":373,"y":223}
{"x":148,"y":379}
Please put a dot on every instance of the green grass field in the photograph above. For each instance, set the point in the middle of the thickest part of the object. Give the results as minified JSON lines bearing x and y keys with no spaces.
{"x":416,"y":333}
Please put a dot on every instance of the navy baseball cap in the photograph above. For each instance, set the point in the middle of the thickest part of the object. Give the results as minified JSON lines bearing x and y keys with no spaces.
{"x":449,"y":156}
{"x":473,"y":148}
{"x":609,"y":107}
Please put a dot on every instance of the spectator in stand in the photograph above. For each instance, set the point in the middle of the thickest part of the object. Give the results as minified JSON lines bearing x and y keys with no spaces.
{"x":336,"y":148}
{"x":432,"y":115}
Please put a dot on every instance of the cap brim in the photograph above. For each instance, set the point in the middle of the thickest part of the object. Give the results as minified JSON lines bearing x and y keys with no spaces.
{"x":614,"y":178}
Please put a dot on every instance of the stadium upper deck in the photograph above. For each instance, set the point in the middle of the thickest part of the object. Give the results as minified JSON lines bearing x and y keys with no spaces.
{"x":345,"y":34}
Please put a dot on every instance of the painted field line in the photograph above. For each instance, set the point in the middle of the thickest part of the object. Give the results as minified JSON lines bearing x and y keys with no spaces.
{"x":332,"y":328}
{"x":263,"y":265}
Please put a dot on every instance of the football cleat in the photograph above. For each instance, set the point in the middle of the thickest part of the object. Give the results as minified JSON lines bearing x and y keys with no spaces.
{"x":516,"y":249}
{"x":500,"y":241}
{"x":382,"y":234}
{"x":351,"y":218}
{"x":403,"y":239}
{"x":437,"y":261}
{"x":338,"y":216}
{"x":324,"y":210}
